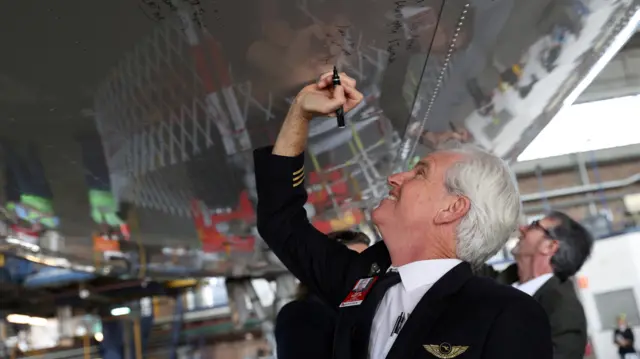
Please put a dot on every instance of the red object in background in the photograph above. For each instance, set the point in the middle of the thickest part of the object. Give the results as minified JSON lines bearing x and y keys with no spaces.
{"x":206,"y":221}
{"x":21,"y":231}
{"x":348,"y":219}
{"x":340,"y":189}
{"x":583,"y":282}
{"x":214,"y":241}
{"x":124,"y":229}
{"x":320,"y":200}
{"x":588,"y":350}
{"x":101,"y":244}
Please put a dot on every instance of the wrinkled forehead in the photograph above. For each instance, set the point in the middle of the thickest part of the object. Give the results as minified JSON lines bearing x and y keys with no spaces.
{"x":443,"y":159}
{"x":436,"y":164}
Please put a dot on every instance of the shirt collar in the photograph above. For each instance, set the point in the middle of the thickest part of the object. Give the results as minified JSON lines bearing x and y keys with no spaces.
{"x":531,"y":286}
{"x":420,"y":273}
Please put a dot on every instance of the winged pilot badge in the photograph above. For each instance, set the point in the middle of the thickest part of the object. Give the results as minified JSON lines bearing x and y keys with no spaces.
{"x":445,"y":350}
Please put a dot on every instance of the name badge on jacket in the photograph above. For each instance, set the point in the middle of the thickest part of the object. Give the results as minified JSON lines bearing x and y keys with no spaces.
{"x":359,"y":292}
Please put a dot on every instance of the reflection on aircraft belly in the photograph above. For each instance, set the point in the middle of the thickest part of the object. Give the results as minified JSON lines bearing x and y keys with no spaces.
{"x":175,"y":120}
{"x":513,"y":113}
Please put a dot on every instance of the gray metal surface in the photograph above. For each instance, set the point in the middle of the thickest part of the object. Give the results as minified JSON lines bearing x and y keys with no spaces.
{"x":179,"y":92}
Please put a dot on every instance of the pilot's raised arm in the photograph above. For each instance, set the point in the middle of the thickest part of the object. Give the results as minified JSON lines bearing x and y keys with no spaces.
{"x":326,"y":266}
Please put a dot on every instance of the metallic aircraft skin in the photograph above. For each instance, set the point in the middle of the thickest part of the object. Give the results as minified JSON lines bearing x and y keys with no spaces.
{"x":126,"y":135}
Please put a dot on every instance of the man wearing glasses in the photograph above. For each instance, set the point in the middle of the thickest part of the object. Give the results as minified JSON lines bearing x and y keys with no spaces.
{"x":551,"y":251}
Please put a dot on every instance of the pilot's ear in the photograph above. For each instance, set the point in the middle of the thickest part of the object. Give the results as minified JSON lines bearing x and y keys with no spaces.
{"x":457,"y":209}
{"x":550,"y":247}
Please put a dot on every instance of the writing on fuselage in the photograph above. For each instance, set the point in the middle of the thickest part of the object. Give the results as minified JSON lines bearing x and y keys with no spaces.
{"x":158,"y":10}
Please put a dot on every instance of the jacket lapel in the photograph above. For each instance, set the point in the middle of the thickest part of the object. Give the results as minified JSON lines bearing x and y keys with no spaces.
{"x":551,"y":283}
{"x":509,"y":275}
{"x":548,"y":294}
{"x":430,"y":307}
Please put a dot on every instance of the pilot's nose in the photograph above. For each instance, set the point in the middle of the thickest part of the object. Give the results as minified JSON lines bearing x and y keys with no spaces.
{"x":397,"y":179}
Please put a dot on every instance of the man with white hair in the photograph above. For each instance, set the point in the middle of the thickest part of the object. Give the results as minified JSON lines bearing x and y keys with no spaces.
{"x":453,"y":210}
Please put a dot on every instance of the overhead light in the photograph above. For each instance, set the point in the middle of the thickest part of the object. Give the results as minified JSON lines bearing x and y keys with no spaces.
{"x":25,"y":319}
{"x":98,"y":337}
{"x":40,"y":322}
{"x":120,"y":311}
{"x":18,"y":318}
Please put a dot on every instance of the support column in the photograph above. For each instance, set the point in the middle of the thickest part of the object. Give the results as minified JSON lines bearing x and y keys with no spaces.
{"x":147,"y":318}
{"x":176,"y":327}
{"x":4,"y":351}
{"x":584,"y":180}
{"x":64,"y":315}
{"x":540,"y":178}
{"x":237,"y":302}
{"x":268,"y":325}
{"x":286,"y":288}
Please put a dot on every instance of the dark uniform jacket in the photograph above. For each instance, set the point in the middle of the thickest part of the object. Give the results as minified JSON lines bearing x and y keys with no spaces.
{"x":462,"y":316}
{"x":559,"y":300}
{"x":305,"y":329}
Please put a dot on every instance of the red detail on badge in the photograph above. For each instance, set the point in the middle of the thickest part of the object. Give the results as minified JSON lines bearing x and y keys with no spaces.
{"x":359,"y":292}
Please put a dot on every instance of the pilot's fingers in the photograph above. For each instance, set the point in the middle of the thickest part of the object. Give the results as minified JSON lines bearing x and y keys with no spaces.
{"x":464,"y":134}
{"x":450,"y":135}
{"x":347,"y":80}
{"x":327,"y":106}
{"x":353,"y":97}
{"x":352,"y":93}
{"x":325,"y":80}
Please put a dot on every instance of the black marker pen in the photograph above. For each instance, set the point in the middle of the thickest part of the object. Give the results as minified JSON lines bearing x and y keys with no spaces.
{"x":340,"y":110}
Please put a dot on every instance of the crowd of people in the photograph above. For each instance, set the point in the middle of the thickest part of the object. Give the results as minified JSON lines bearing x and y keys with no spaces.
{"x":425,"y":288}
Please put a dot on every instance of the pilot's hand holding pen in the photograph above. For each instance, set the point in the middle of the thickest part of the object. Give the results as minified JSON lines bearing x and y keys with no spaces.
{"x":324,"y":99}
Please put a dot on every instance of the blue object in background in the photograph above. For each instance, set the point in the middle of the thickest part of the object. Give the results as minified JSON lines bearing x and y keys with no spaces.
{"x":51,"y":276}
{"x":18,"y":269}
{"x":113,"y":342}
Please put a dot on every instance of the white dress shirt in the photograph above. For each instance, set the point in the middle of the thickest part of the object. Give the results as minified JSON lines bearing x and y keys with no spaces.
{"x":416,"y":279}
{"x":531,"y":286}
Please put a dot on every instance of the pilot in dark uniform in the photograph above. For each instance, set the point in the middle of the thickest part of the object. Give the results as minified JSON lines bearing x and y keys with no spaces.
{"x":455,"y":209}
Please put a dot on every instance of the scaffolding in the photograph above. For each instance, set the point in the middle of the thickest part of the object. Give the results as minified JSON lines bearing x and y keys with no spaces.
{"x":174,"y":96}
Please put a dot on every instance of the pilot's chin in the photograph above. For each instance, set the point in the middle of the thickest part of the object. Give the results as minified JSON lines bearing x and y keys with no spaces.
{"x":378,"y":214}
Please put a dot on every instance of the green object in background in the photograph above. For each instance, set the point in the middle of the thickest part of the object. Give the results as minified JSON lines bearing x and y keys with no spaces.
{"x":40,"y":204}
{"x":104,"y":208}
{"x":413,"y":162}
{"x":35,"y":209}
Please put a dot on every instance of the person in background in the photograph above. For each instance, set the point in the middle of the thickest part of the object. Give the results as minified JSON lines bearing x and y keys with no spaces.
{"x":550,"y":251}
{"x":624,"y":339}
{"x":305,"y":326}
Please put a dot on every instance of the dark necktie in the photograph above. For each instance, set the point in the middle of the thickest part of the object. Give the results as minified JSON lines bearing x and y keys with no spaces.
{"x":387,"y":281}
{"x":362,"y":325}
